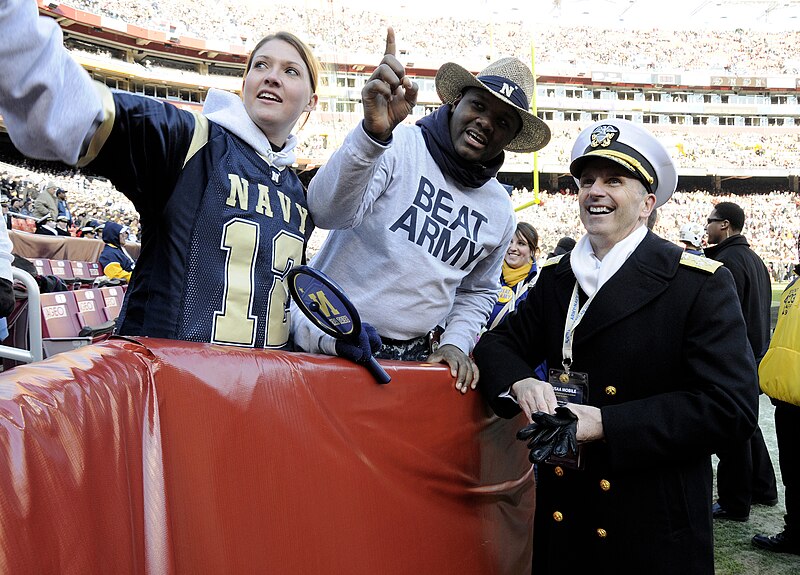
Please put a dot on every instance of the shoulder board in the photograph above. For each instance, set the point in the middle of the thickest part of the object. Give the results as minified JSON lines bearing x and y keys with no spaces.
{"x":552,"y":261}
{"x":700,"y":263}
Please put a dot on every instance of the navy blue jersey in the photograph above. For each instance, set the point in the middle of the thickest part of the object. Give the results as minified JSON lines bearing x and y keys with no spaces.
{"x":221,"y":227}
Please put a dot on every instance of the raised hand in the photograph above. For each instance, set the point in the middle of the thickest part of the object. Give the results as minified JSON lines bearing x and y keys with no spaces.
{"x":389,"y":95}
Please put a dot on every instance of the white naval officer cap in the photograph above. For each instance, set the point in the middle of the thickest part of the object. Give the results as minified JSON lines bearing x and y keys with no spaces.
{"x":631,"y":146}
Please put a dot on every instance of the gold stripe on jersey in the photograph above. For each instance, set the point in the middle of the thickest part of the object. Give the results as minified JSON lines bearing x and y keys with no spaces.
{"x":199,"y":137}
{"x":699,"y":262}
{"x":104,"y":131}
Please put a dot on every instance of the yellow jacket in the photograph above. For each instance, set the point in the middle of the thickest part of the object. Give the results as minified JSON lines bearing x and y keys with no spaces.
{"x":779,"y":372}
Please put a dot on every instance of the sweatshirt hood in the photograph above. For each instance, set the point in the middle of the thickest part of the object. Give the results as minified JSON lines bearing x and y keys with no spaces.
{"x":227,"y":110}
{"x":111,"y":233}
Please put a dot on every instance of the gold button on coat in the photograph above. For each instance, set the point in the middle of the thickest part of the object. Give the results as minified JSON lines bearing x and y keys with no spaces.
{"x":605,"y":484}
{"x":558,"y":471}
{"x":558,"y":516}
{"x":601,"y":533}
{"x":611,"y":390}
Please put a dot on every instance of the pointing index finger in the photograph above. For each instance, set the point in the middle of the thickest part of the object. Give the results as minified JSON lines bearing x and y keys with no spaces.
{"x":391,"y":46}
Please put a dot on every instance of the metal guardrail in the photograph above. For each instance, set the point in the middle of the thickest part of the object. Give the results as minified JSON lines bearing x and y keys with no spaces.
{"x":34,"y":323}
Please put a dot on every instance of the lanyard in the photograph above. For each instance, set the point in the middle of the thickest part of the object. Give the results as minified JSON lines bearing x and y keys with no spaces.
{"x":575,"y":314}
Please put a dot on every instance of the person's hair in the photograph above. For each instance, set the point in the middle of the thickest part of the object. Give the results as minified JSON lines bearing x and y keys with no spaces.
{"x":530,"y":234}
{"x":302,"y":48}
{"x":731,"y":212}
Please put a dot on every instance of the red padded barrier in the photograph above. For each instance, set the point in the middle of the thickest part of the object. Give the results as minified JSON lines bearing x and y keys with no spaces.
{"x":194,"y":458}
{"x":72,"y":434}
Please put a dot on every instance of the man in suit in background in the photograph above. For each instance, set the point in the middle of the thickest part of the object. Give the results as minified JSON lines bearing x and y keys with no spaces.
{"x":745,"y":474}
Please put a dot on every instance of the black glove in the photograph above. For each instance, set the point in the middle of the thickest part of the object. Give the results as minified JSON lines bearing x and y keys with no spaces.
{"x":368,"y":343}
{"x":550,"y":434}
{"x":566,"y":441}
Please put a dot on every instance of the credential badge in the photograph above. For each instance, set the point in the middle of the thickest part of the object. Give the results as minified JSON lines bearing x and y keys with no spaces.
{"x":603,"y":136}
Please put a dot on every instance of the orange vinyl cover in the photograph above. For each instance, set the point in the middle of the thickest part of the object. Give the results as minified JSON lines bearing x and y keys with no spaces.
{"x":157,"y":456}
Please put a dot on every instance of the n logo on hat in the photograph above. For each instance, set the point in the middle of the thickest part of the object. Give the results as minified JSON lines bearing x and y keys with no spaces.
{"x":507,"y":89}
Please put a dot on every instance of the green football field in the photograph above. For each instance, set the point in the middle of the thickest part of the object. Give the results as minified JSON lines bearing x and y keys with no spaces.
{"x":733,"y":552}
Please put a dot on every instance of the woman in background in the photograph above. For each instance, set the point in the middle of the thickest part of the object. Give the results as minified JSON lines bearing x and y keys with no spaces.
{"x":519,"y":272}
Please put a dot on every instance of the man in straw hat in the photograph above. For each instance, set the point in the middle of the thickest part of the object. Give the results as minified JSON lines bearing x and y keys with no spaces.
{"x":420,"y":221}
{"x":649,"y":356}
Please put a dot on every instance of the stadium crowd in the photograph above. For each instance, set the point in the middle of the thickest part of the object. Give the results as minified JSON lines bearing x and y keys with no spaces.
{"x":333,"y":32}
{"x":772,"y":221}
{"x":92,"y":201}
{"x":772,"y":224}
{"x":338,"y":29}
{"x":714,"y":150}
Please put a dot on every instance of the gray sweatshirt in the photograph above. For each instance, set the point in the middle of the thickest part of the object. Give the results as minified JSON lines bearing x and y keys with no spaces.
{"x":411,"y":247}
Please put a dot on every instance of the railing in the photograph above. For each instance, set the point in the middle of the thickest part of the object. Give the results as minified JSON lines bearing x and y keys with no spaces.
{"x":34,"y":323}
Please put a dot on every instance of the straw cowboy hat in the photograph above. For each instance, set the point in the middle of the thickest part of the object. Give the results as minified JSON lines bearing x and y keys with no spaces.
{"x":509,"y":80}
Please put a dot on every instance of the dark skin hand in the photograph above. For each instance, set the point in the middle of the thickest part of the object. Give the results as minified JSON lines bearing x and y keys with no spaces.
{"x":389,"y":95}
{"x":461,"y":366}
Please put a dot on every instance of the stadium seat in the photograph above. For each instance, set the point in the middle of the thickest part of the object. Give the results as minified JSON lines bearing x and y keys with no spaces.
{"x":60,"y":323}
{"x":62,"y":269}
{"x":42,"y":267}
{"x":60,"y":314}
{"x":112,"y":299}
{"x":23,"y":224}
{"x":94,"y":269}
{"x":90,"y":307}
{"x":82,"y":270}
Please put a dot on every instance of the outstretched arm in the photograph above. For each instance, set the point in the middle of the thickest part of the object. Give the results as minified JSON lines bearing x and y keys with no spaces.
{"x":48,"y":102}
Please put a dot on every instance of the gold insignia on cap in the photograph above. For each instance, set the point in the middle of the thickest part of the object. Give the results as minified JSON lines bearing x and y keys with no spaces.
{"x":635,"y":165}
{"x":602,"y":136}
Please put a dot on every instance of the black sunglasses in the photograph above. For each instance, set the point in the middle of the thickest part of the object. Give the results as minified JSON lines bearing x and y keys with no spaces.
{"x":710,"y":220}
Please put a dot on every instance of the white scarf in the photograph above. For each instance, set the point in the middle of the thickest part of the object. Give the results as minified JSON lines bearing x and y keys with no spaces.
{"x":591,"y":272}
{"x":227,"y":110}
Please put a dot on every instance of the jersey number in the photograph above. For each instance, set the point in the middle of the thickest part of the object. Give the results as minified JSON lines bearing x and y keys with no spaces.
{"x":236,"y":324}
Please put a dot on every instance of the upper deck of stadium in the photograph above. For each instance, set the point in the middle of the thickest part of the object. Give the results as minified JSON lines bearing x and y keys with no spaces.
{"x":724,"y":97}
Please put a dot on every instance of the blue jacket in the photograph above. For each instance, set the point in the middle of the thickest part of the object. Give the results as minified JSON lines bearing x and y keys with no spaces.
{"x":115,"y":261}
{"x":518,"y":293}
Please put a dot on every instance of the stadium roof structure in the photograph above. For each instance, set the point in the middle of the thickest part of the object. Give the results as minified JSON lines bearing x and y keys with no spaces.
{"x":771,"y":15}
{"x":706,"y":14}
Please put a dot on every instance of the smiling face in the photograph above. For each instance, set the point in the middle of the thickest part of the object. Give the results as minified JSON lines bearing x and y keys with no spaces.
{"x":612,"y":203}
{"x":277,"y":89}
{"x":519,"y":252}
{"x":481,"y":125}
